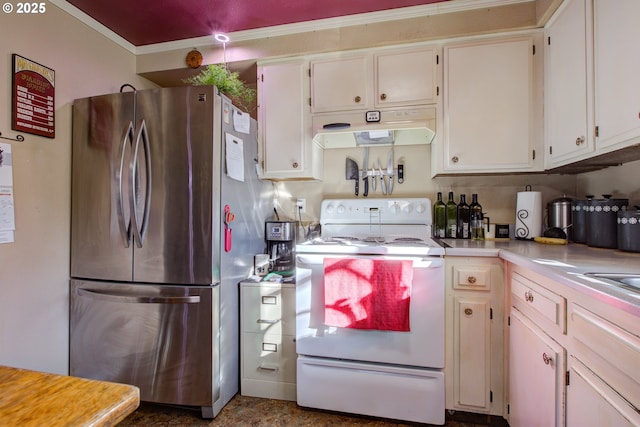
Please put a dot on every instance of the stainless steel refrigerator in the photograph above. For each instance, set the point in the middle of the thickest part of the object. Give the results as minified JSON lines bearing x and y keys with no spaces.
{"x":167,"y":213}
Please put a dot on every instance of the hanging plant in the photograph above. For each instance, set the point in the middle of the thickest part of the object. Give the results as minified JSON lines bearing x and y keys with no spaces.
{"x":227,"y":82}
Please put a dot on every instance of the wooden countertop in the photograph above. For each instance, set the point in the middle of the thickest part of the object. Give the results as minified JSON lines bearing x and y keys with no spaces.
{"x":30,"y":398}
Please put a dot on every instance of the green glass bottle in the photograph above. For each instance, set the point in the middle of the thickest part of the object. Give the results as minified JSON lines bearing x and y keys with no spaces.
{"x":477,"y":229}
{"x":451,"y":215}
{"x":464,"y":218}
{"x":439,"y":218}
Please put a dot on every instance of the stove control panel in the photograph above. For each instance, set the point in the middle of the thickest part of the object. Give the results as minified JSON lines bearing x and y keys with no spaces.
{"x":372,"y":210}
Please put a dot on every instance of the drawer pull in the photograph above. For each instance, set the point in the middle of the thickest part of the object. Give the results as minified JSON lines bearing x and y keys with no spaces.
{"x":357,"y":99}
{"x":268,"y":346}
{"x":528,"y":296}
{"x":268,"y":322}
{"x":468,"y":312}
{"x":547,"y":359}
{"x":472,"y":279}
{"x":268,"y":369}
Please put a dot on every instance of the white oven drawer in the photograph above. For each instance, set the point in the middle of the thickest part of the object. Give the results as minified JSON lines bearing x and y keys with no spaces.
{"x":380,"y":391}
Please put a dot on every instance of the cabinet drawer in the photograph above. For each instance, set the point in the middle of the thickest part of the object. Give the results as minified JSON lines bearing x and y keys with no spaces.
{"x":534,"y":299}
{"x":612,"y":352}
{"x":269,"y":357}
{"x":472,"y":277}
{"x":268,"y":308}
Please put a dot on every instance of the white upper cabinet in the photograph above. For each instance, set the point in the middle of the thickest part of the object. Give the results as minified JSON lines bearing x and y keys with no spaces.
{"x":406,"y":77}
{"x":366,"y":80}
{"x":284,"y":122}
{"x":341,"y":83}
{"x":617,"y":73}
{"x":568,"y":82}
{"x":492,"y":107}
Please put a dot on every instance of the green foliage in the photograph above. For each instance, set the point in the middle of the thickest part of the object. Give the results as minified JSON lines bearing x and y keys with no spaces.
{"x":227,"y":82}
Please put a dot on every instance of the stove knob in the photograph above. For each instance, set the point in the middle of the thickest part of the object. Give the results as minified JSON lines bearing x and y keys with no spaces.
{"x":341,"y":209}
{"x":408,"y":209}
{"x":420,"y":208}
{"x":329,"y":208}
{"x":395,"y":208}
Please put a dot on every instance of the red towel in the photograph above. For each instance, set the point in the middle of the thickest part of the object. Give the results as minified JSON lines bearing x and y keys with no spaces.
{"x":367,"y":293}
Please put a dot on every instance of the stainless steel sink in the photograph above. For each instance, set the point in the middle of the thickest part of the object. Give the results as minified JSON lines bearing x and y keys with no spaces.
{"x":625,"y":280}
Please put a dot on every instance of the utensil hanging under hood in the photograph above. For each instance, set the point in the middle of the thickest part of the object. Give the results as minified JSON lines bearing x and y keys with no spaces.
{"x":352,"y":172}
{"x":365,"y":178}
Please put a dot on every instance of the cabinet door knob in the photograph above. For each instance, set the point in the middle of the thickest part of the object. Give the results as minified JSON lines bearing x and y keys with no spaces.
{"x":528,"y":296}
{"x":547,"y":359}
{"x":468,"y":312}
{"x":580,"y":140}
{"x":295,"y":165}
{"x":455,"y":159}
{"x":357,"y":99}
{"x":383,"y":96}
{"x":472,"y":279}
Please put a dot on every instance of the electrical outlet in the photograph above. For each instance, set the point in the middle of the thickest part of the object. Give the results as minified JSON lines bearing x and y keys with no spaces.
{"x":301,"y":204}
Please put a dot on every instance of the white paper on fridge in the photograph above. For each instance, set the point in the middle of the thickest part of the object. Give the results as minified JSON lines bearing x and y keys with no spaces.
{"x":234,"y":157}
{"x":241,"y":122}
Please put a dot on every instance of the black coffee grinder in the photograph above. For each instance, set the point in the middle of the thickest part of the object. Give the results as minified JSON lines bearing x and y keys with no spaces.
{"x":280,"y":237}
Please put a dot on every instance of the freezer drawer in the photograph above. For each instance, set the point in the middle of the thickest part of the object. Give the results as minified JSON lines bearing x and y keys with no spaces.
{"x":156,"y":337}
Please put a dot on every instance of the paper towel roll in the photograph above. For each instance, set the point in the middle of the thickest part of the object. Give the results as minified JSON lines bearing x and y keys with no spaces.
{"x":528,"y":215}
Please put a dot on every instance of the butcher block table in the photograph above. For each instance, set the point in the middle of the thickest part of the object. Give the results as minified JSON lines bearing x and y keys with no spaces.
{"x":30,"y":398}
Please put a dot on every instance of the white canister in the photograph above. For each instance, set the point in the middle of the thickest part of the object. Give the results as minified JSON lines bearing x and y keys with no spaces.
{"x":528,"y":214}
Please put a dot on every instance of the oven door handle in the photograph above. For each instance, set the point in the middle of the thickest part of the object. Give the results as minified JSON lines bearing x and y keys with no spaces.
{"x":308,"y":261}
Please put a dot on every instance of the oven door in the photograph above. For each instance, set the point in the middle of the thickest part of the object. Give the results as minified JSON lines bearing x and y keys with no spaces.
{"x":422,"y":346}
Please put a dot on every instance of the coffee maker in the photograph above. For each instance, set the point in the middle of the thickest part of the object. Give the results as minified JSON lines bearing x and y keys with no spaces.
{"x":280,"y":237}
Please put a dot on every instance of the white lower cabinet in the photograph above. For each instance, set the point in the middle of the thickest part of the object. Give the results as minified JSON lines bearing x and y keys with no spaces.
{"x":474,"y":325}
{"x":268,"y":351}
{"x":591,"y":402}
{"x":536,"y":375}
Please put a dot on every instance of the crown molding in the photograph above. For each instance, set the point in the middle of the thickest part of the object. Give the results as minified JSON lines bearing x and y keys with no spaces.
{"x":450,"y":6}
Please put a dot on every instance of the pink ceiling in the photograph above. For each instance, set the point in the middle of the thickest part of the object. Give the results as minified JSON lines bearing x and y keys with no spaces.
{"x":144,"y":22}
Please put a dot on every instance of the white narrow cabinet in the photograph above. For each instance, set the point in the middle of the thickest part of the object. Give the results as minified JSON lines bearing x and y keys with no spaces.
{"x":617,"y":66}
{"x":286,"y":149}
{"x":268,"y":351}
{"x":474,"y":334}
{"x":492,"y":107}
{"x":537,"y":361}
{"x":568,"y":85}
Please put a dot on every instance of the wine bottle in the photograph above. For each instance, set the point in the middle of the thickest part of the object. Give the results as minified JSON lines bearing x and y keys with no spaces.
{"x":477,"y":230}
{"x":439,"y":218}
{"x":451,"y":219}
{"x":464,"y":219}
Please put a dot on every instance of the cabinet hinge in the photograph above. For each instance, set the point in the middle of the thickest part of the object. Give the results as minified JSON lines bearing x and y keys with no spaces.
{"x":437,"y":90}
{"x":534,"y":49}
{"x":597,"y":131}
{"x":508,"y":409}
{"x":309,"y":72}
{"x":566,"y":380}
{"x":550,"y":149}
{"x":309,"y":101}
{"x":437,"y":59}
{"x":534,"y":154}
{"x":490,"y":313}
{"x":549,"y":41}
{"x":261,"y":77}
{"x":508,"y":320}
{"x":490,"y":395}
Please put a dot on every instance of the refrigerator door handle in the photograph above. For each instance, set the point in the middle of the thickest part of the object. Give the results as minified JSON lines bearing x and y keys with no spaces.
{"x":138,"y":299}
{"x":125,"y":228}
{"x":140,"y":228}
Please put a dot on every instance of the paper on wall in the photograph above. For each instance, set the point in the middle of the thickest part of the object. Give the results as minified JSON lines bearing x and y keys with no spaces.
{"x":7,"y":214}
{"x":234,"y":157}
{"x":241,"y":121}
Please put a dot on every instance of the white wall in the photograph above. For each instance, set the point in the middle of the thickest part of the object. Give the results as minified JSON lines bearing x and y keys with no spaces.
{"x":496,"y":194}
{"x":620,"y":181}
{"x":34,"y":271}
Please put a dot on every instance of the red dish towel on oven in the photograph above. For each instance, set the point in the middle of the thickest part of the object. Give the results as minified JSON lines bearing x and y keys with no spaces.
{"x":365,"y":293}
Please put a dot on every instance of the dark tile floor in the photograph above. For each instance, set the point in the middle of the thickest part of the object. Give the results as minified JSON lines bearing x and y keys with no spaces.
{"x":256,"y":412}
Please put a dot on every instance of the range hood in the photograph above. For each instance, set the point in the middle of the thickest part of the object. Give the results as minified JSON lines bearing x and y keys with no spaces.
{"x":401,"y":126}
